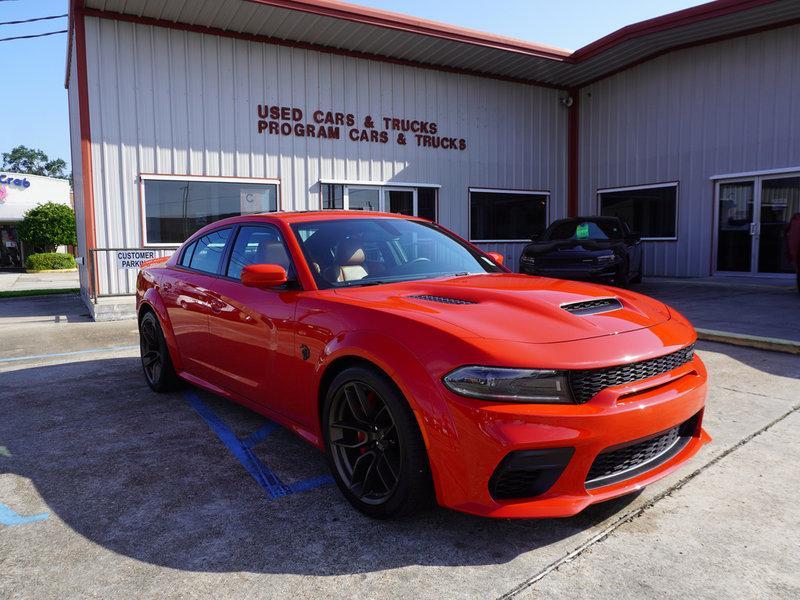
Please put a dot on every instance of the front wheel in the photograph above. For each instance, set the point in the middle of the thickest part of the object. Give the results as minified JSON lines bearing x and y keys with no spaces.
{"x":374,"y":447}
{"x":156,"y":361}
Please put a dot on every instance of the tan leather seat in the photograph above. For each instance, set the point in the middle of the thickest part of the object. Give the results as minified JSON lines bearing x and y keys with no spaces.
{"x":350,"y":259}
{"x":272,"y":252}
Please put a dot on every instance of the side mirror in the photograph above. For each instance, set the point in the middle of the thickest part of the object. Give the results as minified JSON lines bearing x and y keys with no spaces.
{"x":263,"y":276}
{"x":633,"y":237}
{"x":496,"y":257}
{"x":535,"y":237}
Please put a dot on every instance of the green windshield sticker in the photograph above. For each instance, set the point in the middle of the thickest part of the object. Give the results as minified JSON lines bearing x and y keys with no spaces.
{"x":582,"y":231}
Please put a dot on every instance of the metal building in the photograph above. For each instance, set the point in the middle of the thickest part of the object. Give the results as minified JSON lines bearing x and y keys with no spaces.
{"x":688,"y":125}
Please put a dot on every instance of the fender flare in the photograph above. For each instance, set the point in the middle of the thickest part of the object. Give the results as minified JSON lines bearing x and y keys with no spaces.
{"x":420,"y":389}
{"x":153,"y":301}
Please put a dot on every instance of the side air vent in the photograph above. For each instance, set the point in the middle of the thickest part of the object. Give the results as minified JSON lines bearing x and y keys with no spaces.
{"x":592,"y":307}
{"x":441,"y":299}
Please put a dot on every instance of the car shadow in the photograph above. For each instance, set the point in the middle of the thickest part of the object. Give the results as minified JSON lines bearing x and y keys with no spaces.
{"x":142,"y":475}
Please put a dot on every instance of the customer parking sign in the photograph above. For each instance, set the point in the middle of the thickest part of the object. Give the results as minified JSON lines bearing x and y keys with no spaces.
{"x":133,"y":259}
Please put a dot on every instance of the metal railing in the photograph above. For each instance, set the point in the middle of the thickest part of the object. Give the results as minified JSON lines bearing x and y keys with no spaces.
{"x":112,"y":271}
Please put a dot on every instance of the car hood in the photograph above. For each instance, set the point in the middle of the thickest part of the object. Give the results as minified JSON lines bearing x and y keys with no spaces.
{"x":506,"y":306}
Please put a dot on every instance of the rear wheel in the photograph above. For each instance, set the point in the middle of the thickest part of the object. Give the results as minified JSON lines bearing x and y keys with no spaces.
{"x":156,"y":361}
{"x":374,"y":447}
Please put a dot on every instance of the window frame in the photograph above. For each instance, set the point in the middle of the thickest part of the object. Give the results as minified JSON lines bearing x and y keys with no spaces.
{"x":486,"y":190}
{"x":647,"y":186}
{"x":200,"y":178}
{"x":291,"y":284}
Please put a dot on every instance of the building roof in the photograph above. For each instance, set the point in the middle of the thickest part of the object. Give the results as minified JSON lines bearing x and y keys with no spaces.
{"x":333,"y":26}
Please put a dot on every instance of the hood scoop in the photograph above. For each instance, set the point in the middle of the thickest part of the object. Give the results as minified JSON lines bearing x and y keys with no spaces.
{"x":441,"y":299}
{"x":592,"y":307}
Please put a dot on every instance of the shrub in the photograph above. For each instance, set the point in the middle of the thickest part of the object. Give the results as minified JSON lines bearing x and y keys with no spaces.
{"x":48,"y":226}
{"x":49,"y":261}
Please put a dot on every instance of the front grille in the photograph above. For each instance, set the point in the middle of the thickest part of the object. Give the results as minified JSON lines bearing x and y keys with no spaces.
{"x":441,"y":299}
{"x":586,"y":384}
{"x":592,"y":307}
{"x":639,"y":456}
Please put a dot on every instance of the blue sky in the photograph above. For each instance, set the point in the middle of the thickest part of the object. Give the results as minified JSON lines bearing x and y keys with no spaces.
{"x":33,"y":101}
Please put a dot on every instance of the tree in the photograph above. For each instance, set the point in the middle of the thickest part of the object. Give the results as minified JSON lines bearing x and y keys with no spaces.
{"x":34,"y":162}
{"x":48,"y":225}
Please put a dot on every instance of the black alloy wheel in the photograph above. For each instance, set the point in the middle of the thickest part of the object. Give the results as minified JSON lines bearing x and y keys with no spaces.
{"x":156,"y":361}
{"x":375,"y":449}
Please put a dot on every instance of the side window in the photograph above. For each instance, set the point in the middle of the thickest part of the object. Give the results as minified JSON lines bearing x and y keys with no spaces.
{"x":259,"y":244}
{"x":209,"y":251}
{"x":187,"y":255}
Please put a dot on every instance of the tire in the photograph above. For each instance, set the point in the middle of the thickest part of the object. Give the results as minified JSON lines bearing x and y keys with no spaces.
{"x":374,"y":447}
{"x":156,"y":361}
{"x":637,"y":278}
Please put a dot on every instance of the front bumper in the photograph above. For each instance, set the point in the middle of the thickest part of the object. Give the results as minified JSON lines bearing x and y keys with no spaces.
{"x":489,"y":431}
{"x":578,"y":271}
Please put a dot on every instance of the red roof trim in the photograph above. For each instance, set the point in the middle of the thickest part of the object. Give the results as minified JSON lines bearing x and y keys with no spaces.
{"x":687,"y":16}
{"x":90,"y":12}
{"x":401,"y":22}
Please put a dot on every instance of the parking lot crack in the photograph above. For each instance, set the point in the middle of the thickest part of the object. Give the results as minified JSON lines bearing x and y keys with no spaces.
{"x":636,"y":513}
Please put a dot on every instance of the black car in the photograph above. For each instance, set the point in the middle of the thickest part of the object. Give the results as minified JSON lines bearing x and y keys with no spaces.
{"x":602,"y":248}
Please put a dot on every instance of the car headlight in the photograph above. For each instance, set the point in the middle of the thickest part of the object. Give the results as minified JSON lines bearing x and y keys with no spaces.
{"x":606,"y":258}
{"x":510,"y":385}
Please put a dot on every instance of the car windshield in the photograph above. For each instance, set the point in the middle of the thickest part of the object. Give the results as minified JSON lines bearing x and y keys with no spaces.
{"x":371,"y":251}
{"x":580,"y":229}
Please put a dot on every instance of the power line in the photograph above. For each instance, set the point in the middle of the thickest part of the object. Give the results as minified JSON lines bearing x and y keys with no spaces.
{"x":32,"y":20}
{"x":27,"y":37}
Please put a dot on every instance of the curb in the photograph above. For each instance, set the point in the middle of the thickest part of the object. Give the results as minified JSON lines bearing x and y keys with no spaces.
{"x":750,"y":341}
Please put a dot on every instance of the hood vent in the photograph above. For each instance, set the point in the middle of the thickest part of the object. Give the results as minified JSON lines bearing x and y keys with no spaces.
{"x":441,"y":299}
{"x":593,"y":307}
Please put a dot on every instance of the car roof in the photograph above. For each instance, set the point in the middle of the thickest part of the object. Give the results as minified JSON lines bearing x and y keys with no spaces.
{"x":329,"y":215}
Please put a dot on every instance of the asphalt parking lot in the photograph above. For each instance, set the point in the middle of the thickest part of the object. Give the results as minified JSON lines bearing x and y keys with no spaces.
{"x":108,"y":490}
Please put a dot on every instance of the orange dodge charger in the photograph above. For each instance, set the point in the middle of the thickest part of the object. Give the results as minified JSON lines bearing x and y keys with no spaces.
{"x":422,"y":367}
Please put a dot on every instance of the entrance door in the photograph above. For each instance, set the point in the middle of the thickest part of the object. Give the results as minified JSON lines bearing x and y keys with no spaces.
{"x":752,"y":215}
{"x":780,"y":199}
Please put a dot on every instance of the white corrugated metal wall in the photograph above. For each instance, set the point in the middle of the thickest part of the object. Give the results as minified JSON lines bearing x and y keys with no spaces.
{"x":173,"y":102}
{"x":727,"y":107}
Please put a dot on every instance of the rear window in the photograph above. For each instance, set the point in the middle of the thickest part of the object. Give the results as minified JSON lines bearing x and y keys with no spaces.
{"x":209,"y":251}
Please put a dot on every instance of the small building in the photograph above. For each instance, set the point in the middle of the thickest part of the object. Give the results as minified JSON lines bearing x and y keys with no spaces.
{"x":181,"y":113}
{"x":18,"y":194}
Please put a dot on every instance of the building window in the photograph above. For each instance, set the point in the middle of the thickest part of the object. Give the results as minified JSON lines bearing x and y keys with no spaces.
{"x":506,"y":215}
{"x":650,"y":210}
{"x":420,"y":201}
{"x":175,"y":207}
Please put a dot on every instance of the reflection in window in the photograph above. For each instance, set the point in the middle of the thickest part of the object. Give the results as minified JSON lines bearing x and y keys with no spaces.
{"x":258,"y":245}
{"x":506,"y":215}
{"x":209,"y":251}
{"x":649,"y":211}
{"x":175,"y":209}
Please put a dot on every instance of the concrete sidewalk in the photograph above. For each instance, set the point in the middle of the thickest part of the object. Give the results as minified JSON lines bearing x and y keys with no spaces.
{"x":745,"y":310}
{"x":16,"y":282}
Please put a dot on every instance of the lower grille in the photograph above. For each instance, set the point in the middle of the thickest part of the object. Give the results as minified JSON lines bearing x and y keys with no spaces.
{"x":528,"y":473}
{"x":636,"y":457}
{"x":586,"y":384}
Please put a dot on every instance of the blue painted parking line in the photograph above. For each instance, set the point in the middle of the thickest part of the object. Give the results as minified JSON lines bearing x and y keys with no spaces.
{"x":60,"y":354}
{"x":242,"y":450}
{"x":9,"y":517}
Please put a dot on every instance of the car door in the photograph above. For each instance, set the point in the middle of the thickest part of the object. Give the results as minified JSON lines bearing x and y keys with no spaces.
{"x":253,"y":330}
{"x":188,"y":304}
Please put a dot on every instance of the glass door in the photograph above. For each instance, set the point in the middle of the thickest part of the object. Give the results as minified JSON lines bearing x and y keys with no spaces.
{"x":752,"y":219}
{"x":780,"y":199}
{"x":735,"y":226}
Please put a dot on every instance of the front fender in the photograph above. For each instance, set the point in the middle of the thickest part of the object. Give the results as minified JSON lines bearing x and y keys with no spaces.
{"x":153,"y":300}
{"x":421,"y":390}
